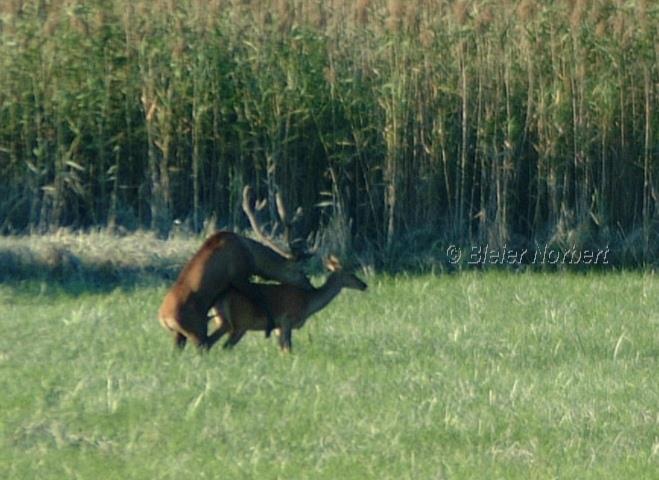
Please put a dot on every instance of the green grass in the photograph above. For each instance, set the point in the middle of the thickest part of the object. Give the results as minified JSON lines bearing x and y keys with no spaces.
{"x":494,"y":375}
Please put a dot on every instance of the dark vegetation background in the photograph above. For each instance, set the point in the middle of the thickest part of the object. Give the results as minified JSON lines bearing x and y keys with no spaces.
{"x":393,"y":124}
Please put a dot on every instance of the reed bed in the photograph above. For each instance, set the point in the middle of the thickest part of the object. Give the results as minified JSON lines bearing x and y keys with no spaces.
{"x":507,"y":122}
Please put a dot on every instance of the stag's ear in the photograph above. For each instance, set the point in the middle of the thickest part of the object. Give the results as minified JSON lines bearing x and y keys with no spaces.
{"x":332,"y":263}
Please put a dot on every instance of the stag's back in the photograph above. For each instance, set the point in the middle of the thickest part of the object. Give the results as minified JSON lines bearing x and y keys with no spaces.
{"x":219,"y":259}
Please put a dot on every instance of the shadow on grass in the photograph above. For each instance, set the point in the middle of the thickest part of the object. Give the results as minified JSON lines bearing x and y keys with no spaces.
{"x":64,"y":272}
{"x":61,"y":270}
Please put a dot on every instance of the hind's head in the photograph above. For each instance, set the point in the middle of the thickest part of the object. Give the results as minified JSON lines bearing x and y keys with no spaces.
{"x":347,"y":279}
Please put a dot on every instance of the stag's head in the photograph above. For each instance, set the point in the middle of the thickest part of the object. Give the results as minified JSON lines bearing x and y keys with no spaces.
{"x":287,"y":268}
{"x":294,"y":275}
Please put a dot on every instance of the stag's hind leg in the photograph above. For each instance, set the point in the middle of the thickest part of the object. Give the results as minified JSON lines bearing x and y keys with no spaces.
{"x":193,"y":326}
{"x":172,"y":325}
{"x":217,"y":334}
{"x":179,"y":340}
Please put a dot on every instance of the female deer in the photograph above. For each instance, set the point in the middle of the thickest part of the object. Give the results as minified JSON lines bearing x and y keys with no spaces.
{"x":290,"y":306}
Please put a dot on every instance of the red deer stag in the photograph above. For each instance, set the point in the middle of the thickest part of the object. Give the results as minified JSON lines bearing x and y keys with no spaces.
{"x":226,"y":261}
{"x":291,"y":307}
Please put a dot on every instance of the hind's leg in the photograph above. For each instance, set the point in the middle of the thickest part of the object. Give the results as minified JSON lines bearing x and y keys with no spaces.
{"x":286,"y":340}
{"x":217,"y":334}
{"x":234,"y":338}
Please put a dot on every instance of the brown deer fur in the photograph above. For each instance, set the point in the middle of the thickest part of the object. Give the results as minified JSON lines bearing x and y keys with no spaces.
{"x":291,"y":307}
{"x":225,"y":261}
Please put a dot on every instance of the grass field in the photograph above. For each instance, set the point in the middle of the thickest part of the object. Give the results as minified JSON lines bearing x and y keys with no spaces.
{"x":472,"y":375}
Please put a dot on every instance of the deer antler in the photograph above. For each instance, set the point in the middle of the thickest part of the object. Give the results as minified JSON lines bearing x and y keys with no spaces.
{"x":296,"y":251}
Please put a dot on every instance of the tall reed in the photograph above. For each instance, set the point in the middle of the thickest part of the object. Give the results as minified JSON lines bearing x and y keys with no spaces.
{"x":513,"y":122}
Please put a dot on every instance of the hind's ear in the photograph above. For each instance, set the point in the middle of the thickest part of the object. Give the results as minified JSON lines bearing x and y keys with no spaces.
{"x":332,"y":263}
